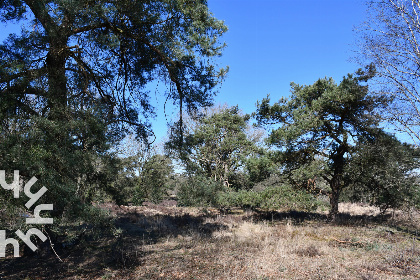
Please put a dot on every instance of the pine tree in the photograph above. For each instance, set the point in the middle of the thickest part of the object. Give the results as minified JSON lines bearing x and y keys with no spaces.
{"x":318,"y":125}
{"x":74,"y":82}
{"x":217,"y":145}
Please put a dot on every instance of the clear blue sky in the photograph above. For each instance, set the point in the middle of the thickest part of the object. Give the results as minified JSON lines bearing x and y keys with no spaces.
{"x":274,"y":42}
{"x":271,"y":43}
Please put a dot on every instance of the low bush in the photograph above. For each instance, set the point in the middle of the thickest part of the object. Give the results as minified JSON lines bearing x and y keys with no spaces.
{"x":199,"y":191}
{"x":287,"y":198}
{"x":242,"y":198}
{"x":275,"y":197}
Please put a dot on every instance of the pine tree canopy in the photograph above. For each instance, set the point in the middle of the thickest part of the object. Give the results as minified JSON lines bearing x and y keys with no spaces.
{"x":319,"y":124}
{"x":75,"y":80}
{"x":104,"y":53}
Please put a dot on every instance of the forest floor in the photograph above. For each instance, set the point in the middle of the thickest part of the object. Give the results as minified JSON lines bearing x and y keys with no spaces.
{"x":159,"y":242}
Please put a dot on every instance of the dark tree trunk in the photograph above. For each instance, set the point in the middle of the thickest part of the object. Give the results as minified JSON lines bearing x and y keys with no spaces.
{"x":57,"y":105}
{"x":56,"y":58}
{"x":336,"y":183}
{"x":334,"y":198}
{"x":57,"y":80}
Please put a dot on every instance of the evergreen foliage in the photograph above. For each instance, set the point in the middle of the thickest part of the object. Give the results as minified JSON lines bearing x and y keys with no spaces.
{"x":217,"y":146}
{"x":260,"y":166}
{"x":383,"y":172}
{"x":73,"y":84}
{"x":318,"y":125}
{"x":275,"y":197}
{"x":199,"y":191}
{"x":154,"y":179}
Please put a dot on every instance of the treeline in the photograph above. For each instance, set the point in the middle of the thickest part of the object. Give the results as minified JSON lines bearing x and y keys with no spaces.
{"x":74,"y":85}
{"x":325,"y":145}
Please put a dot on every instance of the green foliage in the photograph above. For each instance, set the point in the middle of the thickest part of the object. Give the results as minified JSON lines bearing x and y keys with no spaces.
{"x":73,"y":172}
{"x":383,"y":172}
{"x":282,"y":197}
{"x":123,"y":182}
{"x":153,"y":180}
{"x":317,"y":126}
{"x":217,"y":146}
{"x":260,"y":167}
{"x":240,"y":180}
{"x":74,"y":84}
{"x":287,"y":197}
{"x":199,"y":191}
{"x":241,"y":198}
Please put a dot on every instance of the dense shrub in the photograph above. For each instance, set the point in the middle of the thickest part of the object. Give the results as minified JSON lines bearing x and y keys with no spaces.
{"x":242,"y":198}
{"x":268,"y":195}
{"x":199,"y":191}
{"x":260,"y":167}
{"x":240,"y":181}
{"x":154,"y":180}
{"x":276,"y":197}
{"x":384,"y":173}
{"x":285,"y":197}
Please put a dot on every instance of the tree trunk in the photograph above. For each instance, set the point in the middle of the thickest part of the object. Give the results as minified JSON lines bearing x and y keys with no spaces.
{"x":336,"y":181}
{"x":57,"y":80}
{"x":334,"y":199}
{"x":226,"y":175}
{"x":57,"y":104}
{"x":56,"y":58}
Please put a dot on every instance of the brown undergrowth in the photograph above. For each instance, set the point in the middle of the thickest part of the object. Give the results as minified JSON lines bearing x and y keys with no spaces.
{"x":158,"y":242}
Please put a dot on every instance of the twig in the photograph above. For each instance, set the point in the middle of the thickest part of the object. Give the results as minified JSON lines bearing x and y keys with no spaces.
{"x":52,"y":246}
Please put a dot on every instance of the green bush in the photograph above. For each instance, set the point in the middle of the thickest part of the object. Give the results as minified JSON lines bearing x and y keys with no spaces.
{"x":242,"y":198}
{"x":276,"y":197}
{"x":199,"y":191}
{"x":384,"y":172}
{"x":153,"y":184}
{"x":286,"y":198}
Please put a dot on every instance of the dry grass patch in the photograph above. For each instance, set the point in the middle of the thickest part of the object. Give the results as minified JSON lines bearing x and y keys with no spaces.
{"x":246,"y":249}
{"x":178,"y":243}
{"x":281,"y":249}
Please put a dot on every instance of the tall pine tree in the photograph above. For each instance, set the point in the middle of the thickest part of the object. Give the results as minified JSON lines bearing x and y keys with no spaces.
{"x":74,"y":81}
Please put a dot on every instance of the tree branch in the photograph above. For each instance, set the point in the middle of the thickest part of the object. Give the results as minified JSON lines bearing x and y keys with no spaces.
{"x":89,"y":28}
{"x":41,"y":13}
{"x":32,"y":73}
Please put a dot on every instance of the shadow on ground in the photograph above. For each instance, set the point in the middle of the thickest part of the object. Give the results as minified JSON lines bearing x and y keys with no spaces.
{"x":298,"y":217}
{"x":342,"y":219}
{"x":124,"y":248}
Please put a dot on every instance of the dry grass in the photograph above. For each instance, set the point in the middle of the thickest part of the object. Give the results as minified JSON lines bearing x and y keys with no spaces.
{"x":189,"y":244}
{"x":247,"y":247}
{"x":261,"y":251}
